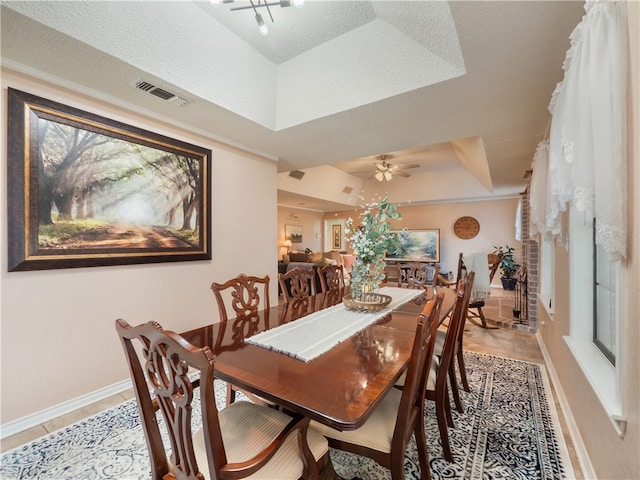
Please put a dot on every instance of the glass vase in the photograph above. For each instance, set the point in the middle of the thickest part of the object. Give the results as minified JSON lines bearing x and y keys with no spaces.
{"x":363,"y":285}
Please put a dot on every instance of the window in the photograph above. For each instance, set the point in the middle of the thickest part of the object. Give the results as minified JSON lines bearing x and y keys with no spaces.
{"x":595,"y":316}
{"x":604,"y":302}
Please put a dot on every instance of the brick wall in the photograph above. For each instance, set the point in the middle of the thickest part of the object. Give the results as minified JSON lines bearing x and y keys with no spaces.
{"x":530,"y":251}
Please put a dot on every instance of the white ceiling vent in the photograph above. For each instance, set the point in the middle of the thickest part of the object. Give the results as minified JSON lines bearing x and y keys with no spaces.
{"x":297,"y":174}
{"x":159,"y":92}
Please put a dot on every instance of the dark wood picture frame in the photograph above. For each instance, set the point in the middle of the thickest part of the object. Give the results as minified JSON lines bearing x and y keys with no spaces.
{"x":85,"y":191}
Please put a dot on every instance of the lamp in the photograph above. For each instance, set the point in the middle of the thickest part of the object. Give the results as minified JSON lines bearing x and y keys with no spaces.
{"x":255,"y":4}
{"x":287,"y":243}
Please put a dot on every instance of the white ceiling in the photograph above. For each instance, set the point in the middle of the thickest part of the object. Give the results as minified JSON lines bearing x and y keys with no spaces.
{"x":461,"y":87}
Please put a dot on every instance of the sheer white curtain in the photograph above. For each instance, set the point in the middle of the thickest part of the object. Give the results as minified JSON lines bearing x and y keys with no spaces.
{"x":599,"y":169}
{"x":586,"y":160}
{"x":538,"y":191}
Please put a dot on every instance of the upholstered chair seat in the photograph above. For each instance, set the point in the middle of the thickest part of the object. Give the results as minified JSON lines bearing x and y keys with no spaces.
{"x":247,"y":429}
{"x":377,"y":432}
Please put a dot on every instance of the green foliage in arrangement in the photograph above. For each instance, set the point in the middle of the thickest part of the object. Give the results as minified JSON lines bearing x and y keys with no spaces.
{"x":370,"y":240}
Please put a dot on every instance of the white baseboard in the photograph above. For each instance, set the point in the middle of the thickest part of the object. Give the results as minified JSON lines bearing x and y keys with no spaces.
{"x":47,"y":414}
{"x":574,"y":433}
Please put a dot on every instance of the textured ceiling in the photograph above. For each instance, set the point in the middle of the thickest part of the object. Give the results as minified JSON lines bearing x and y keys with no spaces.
{"x":333,"y":82}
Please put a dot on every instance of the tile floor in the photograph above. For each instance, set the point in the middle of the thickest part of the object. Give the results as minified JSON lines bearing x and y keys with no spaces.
{"x":502,"y":341}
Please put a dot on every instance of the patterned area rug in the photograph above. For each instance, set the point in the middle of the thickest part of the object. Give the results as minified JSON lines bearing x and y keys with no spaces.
{"x":509,"y":430}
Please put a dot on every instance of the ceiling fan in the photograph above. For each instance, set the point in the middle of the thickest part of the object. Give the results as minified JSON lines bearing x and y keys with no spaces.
{"x":385,"y":170}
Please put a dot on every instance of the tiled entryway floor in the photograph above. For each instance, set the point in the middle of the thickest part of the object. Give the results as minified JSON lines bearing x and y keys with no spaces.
{"x":502,"y":341}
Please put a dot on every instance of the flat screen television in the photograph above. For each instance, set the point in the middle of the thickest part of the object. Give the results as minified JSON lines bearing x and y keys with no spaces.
{"x":417,"y":246}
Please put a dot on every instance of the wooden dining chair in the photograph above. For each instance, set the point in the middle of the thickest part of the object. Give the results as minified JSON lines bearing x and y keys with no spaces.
{"x":331,"y":277}
{"x":297,"y":283}
{"x":439,"y":366}
{"x":442,"y":364}
{"x":419,"y":275}
{"x":242,"y":298}
{"x":400,"y":414}
{"x":238,"y":441}
{"x":458,"y":355}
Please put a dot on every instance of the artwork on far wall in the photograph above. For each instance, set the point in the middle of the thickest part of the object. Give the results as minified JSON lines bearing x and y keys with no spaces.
{"x":293,"y":233}
{"x":417,"y":246}
{"x":84,"y":190}
{"x":337,"y":237}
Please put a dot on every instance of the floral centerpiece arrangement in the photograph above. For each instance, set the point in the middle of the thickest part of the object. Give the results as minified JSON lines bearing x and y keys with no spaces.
{"x":370,"y":240}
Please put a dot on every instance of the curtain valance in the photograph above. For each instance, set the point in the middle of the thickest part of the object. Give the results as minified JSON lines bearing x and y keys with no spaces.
{"x":584,"y":161}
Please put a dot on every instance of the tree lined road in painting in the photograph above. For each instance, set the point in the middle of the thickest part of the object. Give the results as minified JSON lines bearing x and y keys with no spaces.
{"x":100,"y":192}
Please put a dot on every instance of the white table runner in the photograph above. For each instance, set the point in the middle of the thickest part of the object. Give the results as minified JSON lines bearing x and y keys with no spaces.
{"x":315,"y":334}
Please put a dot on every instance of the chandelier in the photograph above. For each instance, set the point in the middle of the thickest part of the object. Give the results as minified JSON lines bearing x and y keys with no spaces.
{"x":256,"y":4}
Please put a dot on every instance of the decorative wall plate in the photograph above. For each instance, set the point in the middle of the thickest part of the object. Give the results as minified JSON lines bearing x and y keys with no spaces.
{"x":466,"y":227}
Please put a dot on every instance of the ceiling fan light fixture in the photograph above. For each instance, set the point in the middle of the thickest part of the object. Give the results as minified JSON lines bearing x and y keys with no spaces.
{"x":256,"y":4}
{"x":379,"y":176}
{"x":387,"y":175}
{"x":261,"y":26}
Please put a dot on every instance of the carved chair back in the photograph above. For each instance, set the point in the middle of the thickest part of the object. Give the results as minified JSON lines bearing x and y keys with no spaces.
{"x":166,"y":359}
{"x":242,"y":296}
{"x":418,"y":275}
{"x":331,"y":277}
{"x":297,"y":283}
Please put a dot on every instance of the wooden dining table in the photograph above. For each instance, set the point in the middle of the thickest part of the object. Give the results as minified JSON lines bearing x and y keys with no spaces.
{"x":340,"y":387}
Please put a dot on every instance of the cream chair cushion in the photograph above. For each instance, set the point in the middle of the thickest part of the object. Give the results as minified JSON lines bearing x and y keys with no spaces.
{"x":438,"y":346}
{"x":433,"y":373}
{"x":377,"y":432}
{"x":247,"y":429}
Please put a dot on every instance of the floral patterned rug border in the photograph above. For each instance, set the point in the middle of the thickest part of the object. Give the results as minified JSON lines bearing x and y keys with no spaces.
{"x":509,"y":429}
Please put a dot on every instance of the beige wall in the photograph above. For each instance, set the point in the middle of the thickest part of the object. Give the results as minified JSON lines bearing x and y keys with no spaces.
{"x":312,"y":229}
{"x":496,"y":218}
{"x":611,"y":457}
{"x":58,"y":335}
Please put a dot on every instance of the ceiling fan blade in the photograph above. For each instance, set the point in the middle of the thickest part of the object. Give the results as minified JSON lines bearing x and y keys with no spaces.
{"x":404,"y":167}
{"x":402,"y":174}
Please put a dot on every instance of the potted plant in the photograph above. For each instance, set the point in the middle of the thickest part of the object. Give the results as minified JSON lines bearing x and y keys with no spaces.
{"x":508,"y":266}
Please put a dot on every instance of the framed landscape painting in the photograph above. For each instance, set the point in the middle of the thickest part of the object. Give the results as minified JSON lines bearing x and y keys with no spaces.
{"x":84,"y":190}
{"x":417,"y":246}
